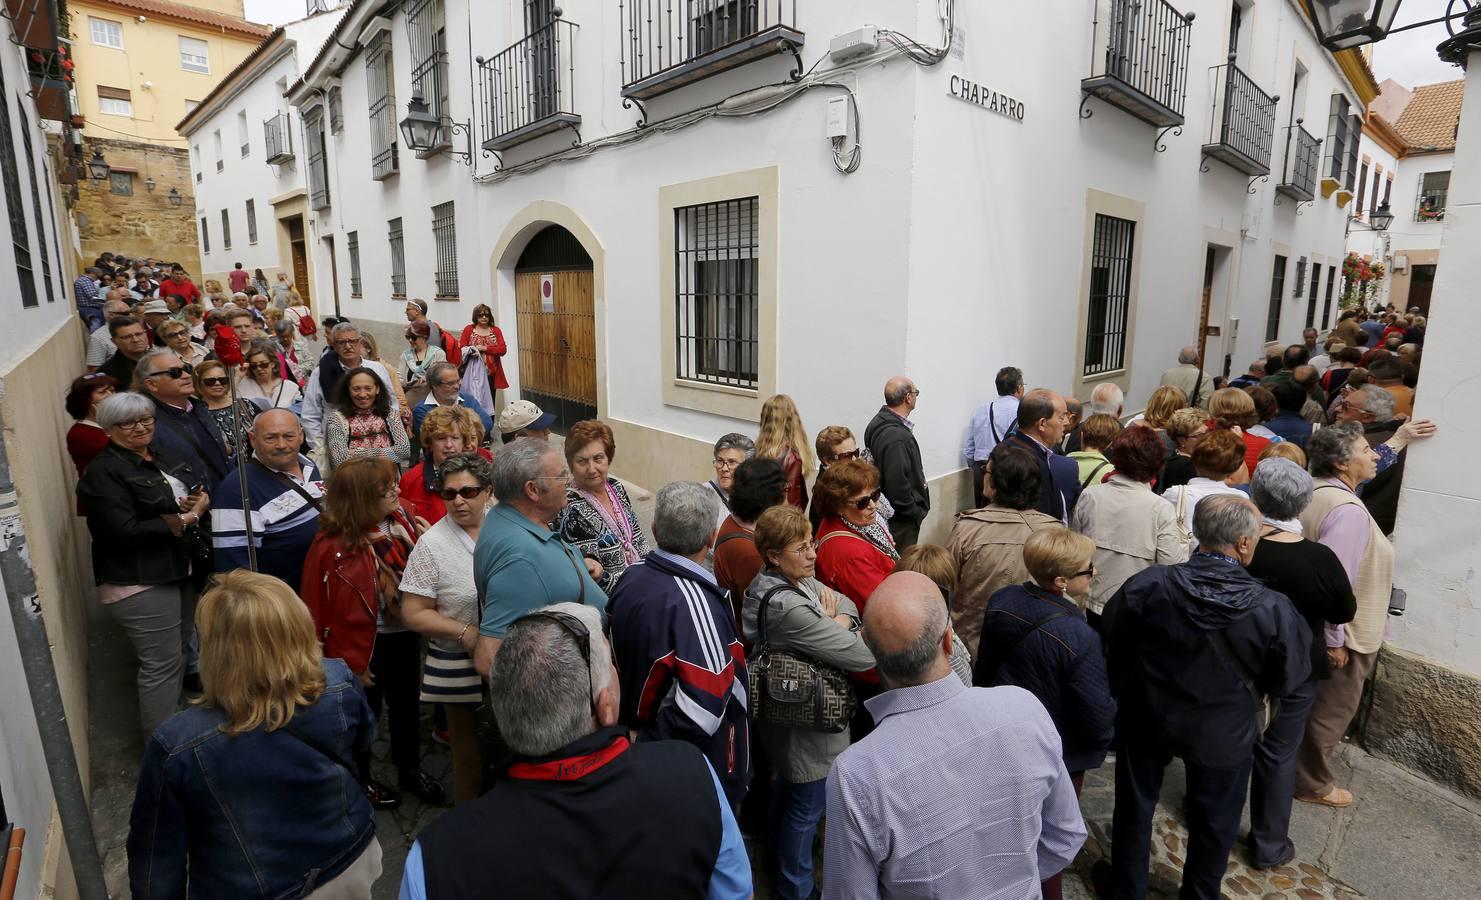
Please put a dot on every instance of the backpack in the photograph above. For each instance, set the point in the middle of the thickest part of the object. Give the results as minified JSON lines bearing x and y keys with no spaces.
{"x":307,"y":327}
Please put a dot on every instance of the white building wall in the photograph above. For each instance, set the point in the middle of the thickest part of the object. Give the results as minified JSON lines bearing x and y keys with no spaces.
{"x":1407,"y":233}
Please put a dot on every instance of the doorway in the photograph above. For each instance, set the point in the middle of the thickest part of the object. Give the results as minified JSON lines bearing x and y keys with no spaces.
{"x":1210,"y":337}
{"x":554,"y":291}
{"x":1421,"y":284}
{"x":300,"y":258}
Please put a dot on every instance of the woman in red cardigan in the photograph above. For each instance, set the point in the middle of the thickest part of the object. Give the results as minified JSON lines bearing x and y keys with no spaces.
{"x":488,"y":337}
{"x":855,"y":550}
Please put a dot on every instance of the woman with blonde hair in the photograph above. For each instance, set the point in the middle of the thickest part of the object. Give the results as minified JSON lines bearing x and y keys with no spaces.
{"x":1282,"y":450}
{"x":1164,"y":401}
{"x":259,"y":768}
{"x":783,"y":438}
{"x":1233,"y":409}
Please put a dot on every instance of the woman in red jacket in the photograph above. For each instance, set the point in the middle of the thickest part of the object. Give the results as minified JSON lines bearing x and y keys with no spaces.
{"x":350,"y":585}
{"x":487,"y":336}
{"x":855,"y":550}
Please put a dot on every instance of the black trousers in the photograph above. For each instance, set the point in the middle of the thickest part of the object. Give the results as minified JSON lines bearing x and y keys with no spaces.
{"x":1214,"y":803}
{"x":978,"y":467}
{"x":396,"y":666}
{"x":1273,"y":782}
{"x":905,"y":532}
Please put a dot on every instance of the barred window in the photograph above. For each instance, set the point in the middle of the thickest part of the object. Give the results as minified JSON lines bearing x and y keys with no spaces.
{"x":1327,"y":297}
{"x":445,"y":235}
{"x":336,"y":111}
{"x":426,"y":26}
{"x":251,"y":221}
{"x":1110,"y":294}
{"x":205,"y":235}
{"x":352,"y":244}
{"x":1316,"y":280}
{"x":716,"y":305}
{"x":20,"y":241}
{"x":1277,"y":289}
{"x":313,"y":127}
{"x":398,"y":258}
{"x":225,"y":230}
{"x":381,"y":89}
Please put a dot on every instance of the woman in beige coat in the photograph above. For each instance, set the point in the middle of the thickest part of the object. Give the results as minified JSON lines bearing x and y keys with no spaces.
{"x":987,"y":543}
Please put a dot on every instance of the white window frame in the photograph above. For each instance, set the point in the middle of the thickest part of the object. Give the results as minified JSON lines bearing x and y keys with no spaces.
{"x":188,"y":60}
{"x":93,"y":23}
{"x":125,"y":108}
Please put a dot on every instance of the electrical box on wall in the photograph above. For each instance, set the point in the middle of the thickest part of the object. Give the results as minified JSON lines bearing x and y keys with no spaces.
{"x":1401,"y":262}
{"x":853,"y":43}
{"x":836,"y":124}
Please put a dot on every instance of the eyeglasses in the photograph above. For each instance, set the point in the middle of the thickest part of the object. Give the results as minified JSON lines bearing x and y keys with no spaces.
{"x":217,"y":381}
{"x":467,"y":493}
{"x":866,"y":502}
{"x":171,"y":372}
{"x":1090,"y":571}
{"x":576,"y":629}
{"x":564,"y":477}
{"x":851,"y":454}
{"x":347,"y":342}
{"x":138,"y":424}
{"x":800,"y":549}
{"x":915,"y":391}
{"x":726,"y":464}
{"x":261,"y":366}
{"x":446,"y":384}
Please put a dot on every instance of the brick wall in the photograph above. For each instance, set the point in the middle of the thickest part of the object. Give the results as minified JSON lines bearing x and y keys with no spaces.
{"x":144,"y":224}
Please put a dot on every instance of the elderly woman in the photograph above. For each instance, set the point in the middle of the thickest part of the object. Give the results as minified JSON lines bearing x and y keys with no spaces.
{"x":446,"y":432}
{"x":1219,"y":461}
{"x":1340,"y":460}
{"x":416,"y":359}
{"x":855,"y":550}
{"x":294,"y":351}
{"x":1232,"y":409}
{"x":86,"y":438}
{"x":1164,"y":401}
{"x":834,"y":444}
{"x":1311,"y":575}
{"x":598,"y":520}
{"x":143,"y":513}
{"x":730,"y":451}
{"x":1185,"y":428}
{"x":439,"y":600}
{"x":1132,"y":528}
{"x":352,"y":586}
{"x":987,"y":543}
{"x":176,"y":336}
{"x":803,"y":617}
{"x":781,"y":437}
{"x":483,"y":335}
{"x":264,"y":379}
{"x":359,"y":422}
{"x":258,"y":769}
{"x":213,"y":386}
{"x":1096,"y":434}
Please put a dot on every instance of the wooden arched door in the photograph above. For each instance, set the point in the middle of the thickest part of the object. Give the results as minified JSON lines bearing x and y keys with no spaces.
{"x":554,"y":291}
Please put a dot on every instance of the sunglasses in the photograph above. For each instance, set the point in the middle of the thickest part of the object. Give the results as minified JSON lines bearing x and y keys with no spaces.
{"x":171,"y":372}
{"x":866,"y":502}
{"x":467,"y":493}
{"x":851,"y":454}
{"x":261,"y":366}
{"x":1090,"y":571}
{"x":217,"y":381}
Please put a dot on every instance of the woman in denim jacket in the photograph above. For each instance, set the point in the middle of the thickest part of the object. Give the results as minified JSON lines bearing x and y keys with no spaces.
{"x":251,"y":793}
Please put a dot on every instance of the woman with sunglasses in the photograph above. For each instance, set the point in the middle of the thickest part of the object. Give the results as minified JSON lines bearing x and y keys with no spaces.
{"x":446,"y":432}
{"x":439,"y":600}
{"x":264,"y":379}
{"x":214,"y":390}
{"x":487,"y":337}
{"x":855,"y":550}
{"x":176,"y":336}
{"x":416,"y":359}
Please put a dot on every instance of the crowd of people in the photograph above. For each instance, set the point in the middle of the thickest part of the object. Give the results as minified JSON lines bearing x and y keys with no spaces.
{"x":302,"y":539}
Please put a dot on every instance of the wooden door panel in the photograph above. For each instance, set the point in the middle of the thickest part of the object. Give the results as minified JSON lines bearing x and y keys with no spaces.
{"x":557,"y":350}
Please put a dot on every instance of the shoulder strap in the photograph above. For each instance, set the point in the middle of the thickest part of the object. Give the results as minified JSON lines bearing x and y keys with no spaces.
{"x":284,"y":480}
{"x":761,"y":612}
{"x":1225,"y":653}
{"x":1093,"y":472}
{"x":1008,"y":651}
{"x":833,"y":534}
{"x":1197,"y":387}
{"x":992,"y":422}
{"x":733,"y":535}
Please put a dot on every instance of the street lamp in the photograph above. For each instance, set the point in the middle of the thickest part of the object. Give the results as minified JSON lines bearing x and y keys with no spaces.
{"x":149,"y":183}
{"x":175,"y":198}
{"x":1344,"y":24}
{"x":98,"y":166}
{"x":1380,"y":220}
{"x":420,"y":128}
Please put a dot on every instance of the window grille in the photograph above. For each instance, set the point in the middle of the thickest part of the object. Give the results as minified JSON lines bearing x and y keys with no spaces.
{"x":251,"y":221}
{"x":1277,"y":288}
{"x":1316,"y":280}
{"x":398,"y":258}
{"x":51,"y":206}
{"x":381,"y":89}
{"x":20,"y":241}
{"x":1110,"y":294}
{"x":1354,"y":139}
{"x":426,"y":26}
{"x":313,"y":127}
{"x":225,"y":230}
{"x":445,"y":235}
{"x":352,"y":244}
{"x":205,"y":235}
{"x":1299,"y":287}
{"x":1327,"y":297}
{"x":716,"y":303}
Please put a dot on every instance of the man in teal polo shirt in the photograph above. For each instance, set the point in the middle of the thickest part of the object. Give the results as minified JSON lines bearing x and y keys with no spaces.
{"x":519,"y":564}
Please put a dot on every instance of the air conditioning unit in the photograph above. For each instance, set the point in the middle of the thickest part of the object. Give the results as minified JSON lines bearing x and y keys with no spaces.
{"x":1401,"y":263}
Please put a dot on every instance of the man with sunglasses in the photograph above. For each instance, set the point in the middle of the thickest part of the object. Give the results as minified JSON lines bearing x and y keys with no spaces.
{"x":184,"y":428}
{"x":664,"y":826}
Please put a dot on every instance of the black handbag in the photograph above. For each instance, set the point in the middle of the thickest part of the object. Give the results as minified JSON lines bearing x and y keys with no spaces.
{"x":793,"y":691}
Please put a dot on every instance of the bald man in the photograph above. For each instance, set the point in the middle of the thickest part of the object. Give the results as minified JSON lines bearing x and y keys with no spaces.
{"x":933,"y":743}
{"x":902,"y":475}
{"x":284,"y":497}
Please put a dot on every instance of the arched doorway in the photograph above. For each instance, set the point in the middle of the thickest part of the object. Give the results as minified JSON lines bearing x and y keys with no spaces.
{"x":554,"y":307}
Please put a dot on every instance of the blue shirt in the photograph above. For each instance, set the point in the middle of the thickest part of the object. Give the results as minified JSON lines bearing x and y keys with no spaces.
{"x":520,"y":566}
{"x":990,"y":424}
{"x":419,"y":412}
{"x":731,"y":879}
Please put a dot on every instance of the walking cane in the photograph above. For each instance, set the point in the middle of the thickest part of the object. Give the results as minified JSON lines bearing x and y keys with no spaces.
{"x":229,"y":351}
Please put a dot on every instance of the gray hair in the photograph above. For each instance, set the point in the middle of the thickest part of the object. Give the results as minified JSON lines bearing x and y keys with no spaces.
{"x":123,"y":408}
{"x":538,"y":686}
{"x":1106,"y":399}
{"x":1222,"y":519}
{"x":1330,"y":447}
{"x":1281,"y":489}
{"x":145,"y":365}
{"x":435,"y":371}
{"x":283,"y":326}
{"x":910,"y":664}
{"x":736,"y":441}
{"x":341,"y":329}
{"x":1374,"y":399}
{"x":1188,"y":356}
{"x":481,"y":469}
{"x":684,"y":517}
{"x":518,"y":464}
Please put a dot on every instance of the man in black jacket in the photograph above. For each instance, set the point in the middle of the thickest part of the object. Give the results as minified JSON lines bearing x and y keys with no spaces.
{"x":183,"y":427}
{"x":1191,"y":651}
{"x":902,"y":476}
{"x":1042,"y":417}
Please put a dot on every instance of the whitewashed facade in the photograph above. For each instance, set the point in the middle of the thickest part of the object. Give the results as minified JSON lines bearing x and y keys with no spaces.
{"x":988,"y":204}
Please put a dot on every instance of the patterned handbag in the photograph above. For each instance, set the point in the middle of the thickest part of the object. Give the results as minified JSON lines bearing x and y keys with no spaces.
{"x":790,"y":690}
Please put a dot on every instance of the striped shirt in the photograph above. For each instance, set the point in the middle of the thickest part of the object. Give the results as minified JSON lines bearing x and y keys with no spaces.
{"x":283,"y":521}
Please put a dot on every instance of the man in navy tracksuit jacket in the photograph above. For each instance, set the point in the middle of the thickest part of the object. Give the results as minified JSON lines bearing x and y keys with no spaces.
{"x":679,"y":657}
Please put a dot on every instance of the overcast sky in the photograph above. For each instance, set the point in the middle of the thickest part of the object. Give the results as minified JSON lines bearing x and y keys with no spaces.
{"x":275,"y":12}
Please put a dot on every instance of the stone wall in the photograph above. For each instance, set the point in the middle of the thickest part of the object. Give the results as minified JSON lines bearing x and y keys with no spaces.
{"x":1426,"y":716}
{"x":144,"y":224}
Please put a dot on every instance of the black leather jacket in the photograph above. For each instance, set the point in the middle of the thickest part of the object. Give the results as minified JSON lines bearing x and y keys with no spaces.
{"x":126,"y":497}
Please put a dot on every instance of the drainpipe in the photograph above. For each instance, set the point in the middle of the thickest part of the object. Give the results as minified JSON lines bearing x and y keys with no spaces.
{"x":46,"y":696}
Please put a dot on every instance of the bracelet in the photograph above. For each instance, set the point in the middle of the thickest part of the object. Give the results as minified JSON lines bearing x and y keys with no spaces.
{"x":466,"y":626}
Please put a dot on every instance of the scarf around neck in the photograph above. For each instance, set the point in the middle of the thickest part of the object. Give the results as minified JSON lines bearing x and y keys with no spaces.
{"x":875,"y":534}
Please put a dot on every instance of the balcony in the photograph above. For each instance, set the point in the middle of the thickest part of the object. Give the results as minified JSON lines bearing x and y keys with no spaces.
{"x":1144,"y":69}
{"x":1431,"y":207}
{"x":667,"y":44}
{"x":278,"y":138}
{"x":1298,"y":179}
{"x":526,"y":88}
{"x":1242,"y":127}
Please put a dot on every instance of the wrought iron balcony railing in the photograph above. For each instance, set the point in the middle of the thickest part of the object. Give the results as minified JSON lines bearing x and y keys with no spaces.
{"x":1144,"y":69}
{"x":1302,"y":153}
{"x":1242,"y":127}
{"x":526,"y":88}
{"x":278,"y":138}
{"x":669,"y":43}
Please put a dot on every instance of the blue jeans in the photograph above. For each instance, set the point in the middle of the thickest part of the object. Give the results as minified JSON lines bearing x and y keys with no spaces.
{"x":796,"y":810}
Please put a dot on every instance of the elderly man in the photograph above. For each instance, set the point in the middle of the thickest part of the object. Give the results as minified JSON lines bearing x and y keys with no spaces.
{"x":349,"y":352}
{"x":523,"y":419}
{"x":902,"y":475}
{"x":132,"y":342}
{"x":1041,"y":425}
{"x":183,"y":429}
{"x":1389,"y":375}
{"x":100,"y":346}
{"x":931,"y":737}
{"x":446,"y":390}
{"x":1196,"y":384}
{"x":416,"y":311}
{"x":663,"y":829}
{"x":1251,"y":376}
{"x":1106,"y":399}
{"x":1191,"y":649}
{"x":519,"y":563}
{"x":991,"y":422}
{"x":675,"y":640}
{"x":154,"y":313}
{"x":284,"y":498}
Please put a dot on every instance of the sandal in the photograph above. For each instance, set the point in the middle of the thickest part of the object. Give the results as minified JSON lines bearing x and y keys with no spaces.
{"x":1337,"y":797}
